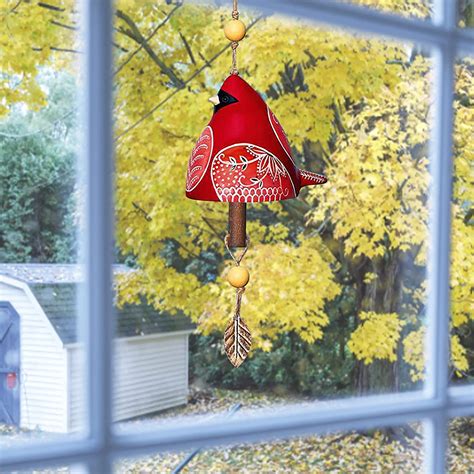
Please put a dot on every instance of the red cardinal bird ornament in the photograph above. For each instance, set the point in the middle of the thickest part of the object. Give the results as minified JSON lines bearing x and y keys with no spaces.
{"x":242,"y":156}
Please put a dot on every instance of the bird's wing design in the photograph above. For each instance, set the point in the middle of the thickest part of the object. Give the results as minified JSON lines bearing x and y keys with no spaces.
{"x":245,"y":172}
{"x":280,"y":133}
{"x":199,"y":159}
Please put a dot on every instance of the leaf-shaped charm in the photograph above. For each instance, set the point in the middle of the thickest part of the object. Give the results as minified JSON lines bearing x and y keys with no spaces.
{"x":237,"y":341}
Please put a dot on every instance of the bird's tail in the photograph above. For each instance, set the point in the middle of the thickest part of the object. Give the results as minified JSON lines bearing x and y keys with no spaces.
{"x":308,"y":178}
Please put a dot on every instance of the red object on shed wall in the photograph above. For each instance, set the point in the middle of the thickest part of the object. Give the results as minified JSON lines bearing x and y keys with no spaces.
{"x":11,"y":380}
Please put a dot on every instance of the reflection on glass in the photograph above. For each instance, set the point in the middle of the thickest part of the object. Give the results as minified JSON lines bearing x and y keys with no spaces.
{"x":72,"y":469}
{"x":461,"y":445}
{"x":336,"y":301}
{"x":462,"y":258}
{"x":465,"y":14}
{"x":397,"y":449}
{"x":422,"y":9}
{"x":41,"y":215}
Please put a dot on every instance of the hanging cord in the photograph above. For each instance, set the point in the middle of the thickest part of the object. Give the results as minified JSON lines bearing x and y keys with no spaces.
{"x":235,"y":44}
{"x":237,"y":259}
{"x":238,"y":301}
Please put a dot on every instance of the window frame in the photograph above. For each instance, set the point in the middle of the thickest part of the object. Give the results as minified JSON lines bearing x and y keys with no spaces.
{"x":435,"y":404}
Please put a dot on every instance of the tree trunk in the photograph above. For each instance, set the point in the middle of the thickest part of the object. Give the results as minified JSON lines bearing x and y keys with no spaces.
{"x":381,"y":295}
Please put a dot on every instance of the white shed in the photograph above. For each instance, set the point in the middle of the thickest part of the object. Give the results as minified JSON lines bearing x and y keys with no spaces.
{"x":41,"y":360}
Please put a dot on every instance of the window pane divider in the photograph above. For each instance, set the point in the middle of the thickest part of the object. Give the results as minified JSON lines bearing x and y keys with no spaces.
{"x":439,"y":253}
{"x":366,"y":20}
{"x":318,"y":417}
{"x":314,"y":417}
{"x":98,"y":17}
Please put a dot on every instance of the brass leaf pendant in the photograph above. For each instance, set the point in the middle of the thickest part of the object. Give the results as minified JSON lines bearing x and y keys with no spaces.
{"x":237,"y":340}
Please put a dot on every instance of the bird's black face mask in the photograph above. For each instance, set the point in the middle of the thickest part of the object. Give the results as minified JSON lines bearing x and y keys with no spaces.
{"x":224,"y":99}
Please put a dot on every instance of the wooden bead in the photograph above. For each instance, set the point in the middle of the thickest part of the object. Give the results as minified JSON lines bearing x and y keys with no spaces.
{"x":234,"y":30}
{"x":238,"y":277}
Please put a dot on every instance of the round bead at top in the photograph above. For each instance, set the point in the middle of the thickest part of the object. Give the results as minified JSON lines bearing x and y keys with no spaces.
{"x":234,"y":30}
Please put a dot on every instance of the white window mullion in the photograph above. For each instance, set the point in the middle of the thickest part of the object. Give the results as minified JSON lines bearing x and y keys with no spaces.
{"x":438,"y":304}
{"x":99,"y":236}
{"x":462,"y":396}
{"x":435,"y":444}
{"x":445,"y":14}
{"x":317,"y":417}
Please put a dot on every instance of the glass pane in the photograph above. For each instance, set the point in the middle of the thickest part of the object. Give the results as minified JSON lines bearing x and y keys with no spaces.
{"x":465,"y":13}
{"x":462,"y":258}
{"x":41,"y":216}
{"x":422,"y":9}
{"x":398,"y":449}
{"x":336,"y":296}
{"x":461,"y":445}
{"x":67,"y":469}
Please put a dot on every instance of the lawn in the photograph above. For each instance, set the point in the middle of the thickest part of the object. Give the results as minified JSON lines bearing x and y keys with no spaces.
{"x":354,"y":452}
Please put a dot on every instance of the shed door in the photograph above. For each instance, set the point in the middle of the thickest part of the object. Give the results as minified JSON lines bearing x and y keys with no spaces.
{"x":9,"y":365}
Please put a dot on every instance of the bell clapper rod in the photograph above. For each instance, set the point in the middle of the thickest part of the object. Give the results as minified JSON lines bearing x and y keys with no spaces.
{"x":237,"y":224}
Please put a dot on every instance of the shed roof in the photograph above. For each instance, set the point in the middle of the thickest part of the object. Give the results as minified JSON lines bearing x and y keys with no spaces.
{"x":50,"y":272}
{"x":55,"y":287}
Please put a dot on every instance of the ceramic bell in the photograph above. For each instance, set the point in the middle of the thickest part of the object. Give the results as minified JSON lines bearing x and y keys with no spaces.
{"x":243,"y":155}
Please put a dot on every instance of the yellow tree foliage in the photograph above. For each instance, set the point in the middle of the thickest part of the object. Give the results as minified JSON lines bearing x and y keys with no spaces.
{"x":28,"y":40}
{"x":414,"y":356}
{"x":380,"y":206}
{"x":458,"y":356}
{"x":376,"y":337}
{"x":376,"y":198}
{"x":462,"y":257}
{"x":413,"y":353}
{"x":356,"y":108}
{"x":416,"y":8}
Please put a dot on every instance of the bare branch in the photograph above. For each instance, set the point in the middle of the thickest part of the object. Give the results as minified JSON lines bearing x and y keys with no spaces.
{"x":63,"y":25}
{"x":208,"y":64}
{"x":202,"y":229}
{"x":469,"y":215}
{"x":17,"y":4}
{"x":51,"y":7}
{"x":188,"y":48}
{"x":41,"y":130}
{"x":189,"y":252}
{"x":75,"y":28}
{"x":125,"y":50}
{"x":213,"y":229}
{"x":55,"y":48}
{"x":135,"y":34}
{"x":149,"y":37}
{"x":142,"y":211}
{"x":64,"y":50}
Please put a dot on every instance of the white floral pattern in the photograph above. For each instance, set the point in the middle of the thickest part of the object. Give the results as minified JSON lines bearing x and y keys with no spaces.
{"x":248,"y":173}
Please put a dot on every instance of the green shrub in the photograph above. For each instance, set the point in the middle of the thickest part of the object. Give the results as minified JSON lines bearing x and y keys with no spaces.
{"x":292,"y":366}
